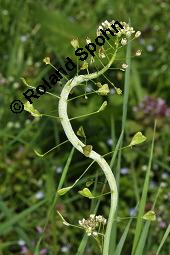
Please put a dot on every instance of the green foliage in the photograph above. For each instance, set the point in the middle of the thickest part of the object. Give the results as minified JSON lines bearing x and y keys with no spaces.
{"x":30,"y":31}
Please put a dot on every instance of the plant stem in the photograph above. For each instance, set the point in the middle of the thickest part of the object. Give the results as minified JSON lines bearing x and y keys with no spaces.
{"x":65,"y":122}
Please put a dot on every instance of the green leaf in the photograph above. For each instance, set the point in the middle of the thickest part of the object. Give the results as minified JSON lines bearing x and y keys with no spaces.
{"x":63,"y":191}
{"x":86,"y":193}
{"x":137,"y":139}
{"x":87,"y":149}
{"x":150,"y":216}
{"x":30,"y":108}
{"x":103,"y":90}
{"x":81,"y":132}
{"x":103,"y":106}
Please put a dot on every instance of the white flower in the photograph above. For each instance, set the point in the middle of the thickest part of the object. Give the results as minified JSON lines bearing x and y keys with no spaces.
{"x":58,"y":169}
{"x":138,"y":53}
{"x":137,"y":34}
{"x":124,"y":170}
{"x":99,"y":218}
{"x":102,"y":53}
{"x":92,"y":216}
{"x":65,"y":249}
{"x":39,"y":195}
{"x":106,"y":24}
{"x":23,"y":38}
{"x":80,"y":223}
{"x":124,"y":41}
{"x":21,"y":242}
{"x":124,"y":66}
{"x":98,"y":30}
{"x":128,"y":34}
{"x":46,"y":60}
{"x":88,"y":40}
{"x":95,"y":233}
{"x":75,"y":43}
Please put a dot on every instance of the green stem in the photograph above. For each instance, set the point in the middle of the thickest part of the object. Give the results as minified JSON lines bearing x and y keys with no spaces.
{"x":65,"y":122}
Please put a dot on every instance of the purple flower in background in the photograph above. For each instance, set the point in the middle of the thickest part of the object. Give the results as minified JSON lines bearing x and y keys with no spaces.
{"x":24,"y":250}
{"x":2,"y":79}
{"x":124,"y":170}
{"x":132,"y":212}
{"x":110,"y":141}
{"x":39,"y":229}
{"x":43,"y":251}
{"x":155,"y":107}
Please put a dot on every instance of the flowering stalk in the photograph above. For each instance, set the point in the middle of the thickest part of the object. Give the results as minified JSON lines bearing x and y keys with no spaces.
{"x":62,"y":108}
{"x":122,"y":39}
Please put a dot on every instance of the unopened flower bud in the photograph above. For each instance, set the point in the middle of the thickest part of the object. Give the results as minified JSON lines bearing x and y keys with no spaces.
{"x":124,"y":41}
{"x":138,"y":53}
{"x":124,"y":66}
{"x":88,"y":40}
{"x":47,"y":60}
{"x":138,"y":33}
{"x":118,"y":91}
{"x":75,"y":43}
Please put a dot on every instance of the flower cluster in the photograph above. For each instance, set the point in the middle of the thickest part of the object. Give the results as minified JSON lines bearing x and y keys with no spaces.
{"x":127,"y":30}
{"x":92,"y":224}
{"x":155,"y":107}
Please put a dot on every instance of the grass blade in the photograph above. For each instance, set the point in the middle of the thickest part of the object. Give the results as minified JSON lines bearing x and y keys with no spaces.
{"x":61,"y":182}
{"x":124,"y":116}
{"x":6,"y":226}
{"x":167,"y":232}
{"x":122,"y":240}
{"x":143,"y":199}
{"x":142,"y":241}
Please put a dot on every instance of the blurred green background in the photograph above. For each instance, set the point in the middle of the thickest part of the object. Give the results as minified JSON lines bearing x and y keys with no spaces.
{"x":31,"y":30}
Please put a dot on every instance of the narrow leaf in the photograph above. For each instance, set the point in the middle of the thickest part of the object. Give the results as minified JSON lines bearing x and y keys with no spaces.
{"x":122,"y":239}
{"x":167,"y":232}
{"x":142,"y":202}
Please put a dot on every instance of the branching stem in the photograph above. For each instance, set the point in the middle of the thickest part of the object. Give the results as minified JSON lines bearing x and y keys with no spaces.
{"x":79,"y":145}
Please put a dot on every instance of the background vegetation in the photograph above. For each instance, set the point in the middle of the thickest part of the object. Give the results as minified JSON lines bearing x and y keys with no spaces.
{"x":31,"y":30}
